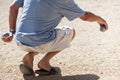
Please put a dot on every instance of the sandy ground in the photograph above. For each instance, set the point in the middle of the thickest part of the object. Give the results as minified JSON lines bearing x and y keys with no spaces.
{"x":93,"y":55}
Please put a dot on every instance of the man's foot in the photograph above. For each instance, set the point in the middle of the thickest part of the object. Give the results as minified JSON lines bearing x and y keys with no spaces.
{"x":44,"y":65}
{"x":27,"y":66}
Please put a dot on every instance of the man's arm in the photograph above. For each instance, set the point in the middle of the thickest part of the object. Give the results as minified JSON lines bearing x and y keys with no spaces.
{"x":13,"y":13}
{"x":88,"y":16}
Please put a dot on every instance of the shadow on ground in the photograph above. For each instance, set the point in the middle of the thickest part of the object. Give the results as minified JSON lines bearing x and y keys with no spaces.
{"x":60,"y":77}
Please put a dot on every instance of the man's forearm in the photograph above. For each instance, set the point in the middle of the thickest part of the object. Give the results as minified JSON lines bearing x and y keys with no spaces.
{"x":88,"y":16}
{"x":13,"y":16}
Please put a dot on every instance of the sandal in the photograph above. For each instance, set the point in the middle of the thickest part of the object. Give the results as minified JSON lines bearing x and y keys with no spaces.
{"x":26,"y":70}
{"x":43,"y":72}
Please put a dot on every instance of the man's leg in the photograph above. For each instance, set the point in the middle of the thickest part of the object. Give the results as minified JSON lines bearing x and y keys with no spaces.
{"x":44,"y":62}
{"x":29,"y":58}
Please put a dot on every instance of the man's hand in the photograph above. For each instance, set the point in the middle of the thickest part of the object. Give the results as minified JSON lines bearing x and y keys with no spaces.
{"x":101,"y":22}
{"x":7,"y":38}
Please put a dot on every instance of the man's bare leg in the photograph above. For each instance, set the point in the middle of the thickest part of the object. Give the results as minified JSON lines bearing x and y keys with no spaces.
{"x":29,"y":58}
{"x":44,"y":62}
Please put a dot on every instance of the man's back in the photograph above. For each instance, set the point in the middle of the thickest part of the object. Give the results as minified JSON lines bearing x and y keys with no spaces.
{"x":40,"y":17}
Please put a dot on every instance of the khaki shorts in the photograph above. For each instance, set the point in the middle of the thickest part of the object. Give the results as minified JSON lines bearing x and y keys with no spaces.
{"x":62,"y":41}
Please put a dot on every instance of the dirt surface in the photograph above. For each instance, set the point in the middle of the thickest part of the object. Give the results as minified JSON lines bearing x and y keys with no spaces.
{"x":93,"y":55}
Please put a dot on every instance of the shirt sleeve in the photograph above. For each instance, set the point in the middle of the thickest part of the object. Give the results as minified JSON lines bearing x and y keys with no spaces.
{"x":70,"y":9}
{"x":19,"y":2}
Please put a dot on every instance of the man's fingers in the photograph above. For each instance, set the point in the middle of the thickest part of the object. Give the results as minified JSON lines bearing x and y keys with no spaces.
{"x":7,"y":39}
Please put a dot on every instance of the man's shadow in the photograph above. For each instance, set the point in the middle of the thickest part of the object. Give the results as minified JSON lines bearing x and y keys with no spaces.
{"x":60,"y":77}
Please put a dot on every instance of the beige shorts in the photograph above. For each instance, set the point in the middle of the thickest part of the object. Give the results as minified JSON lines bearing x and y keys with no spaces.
{"x":62,"y":41}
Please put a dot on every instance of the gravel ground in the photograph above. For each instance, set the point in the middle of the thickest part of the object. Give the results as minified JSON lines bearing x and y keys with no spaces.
{"x":93,"y":55}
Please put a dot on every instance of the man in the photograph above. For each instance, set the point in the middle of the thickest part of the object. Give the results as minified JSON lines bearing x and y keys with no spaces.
{"x":37,"y":31}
